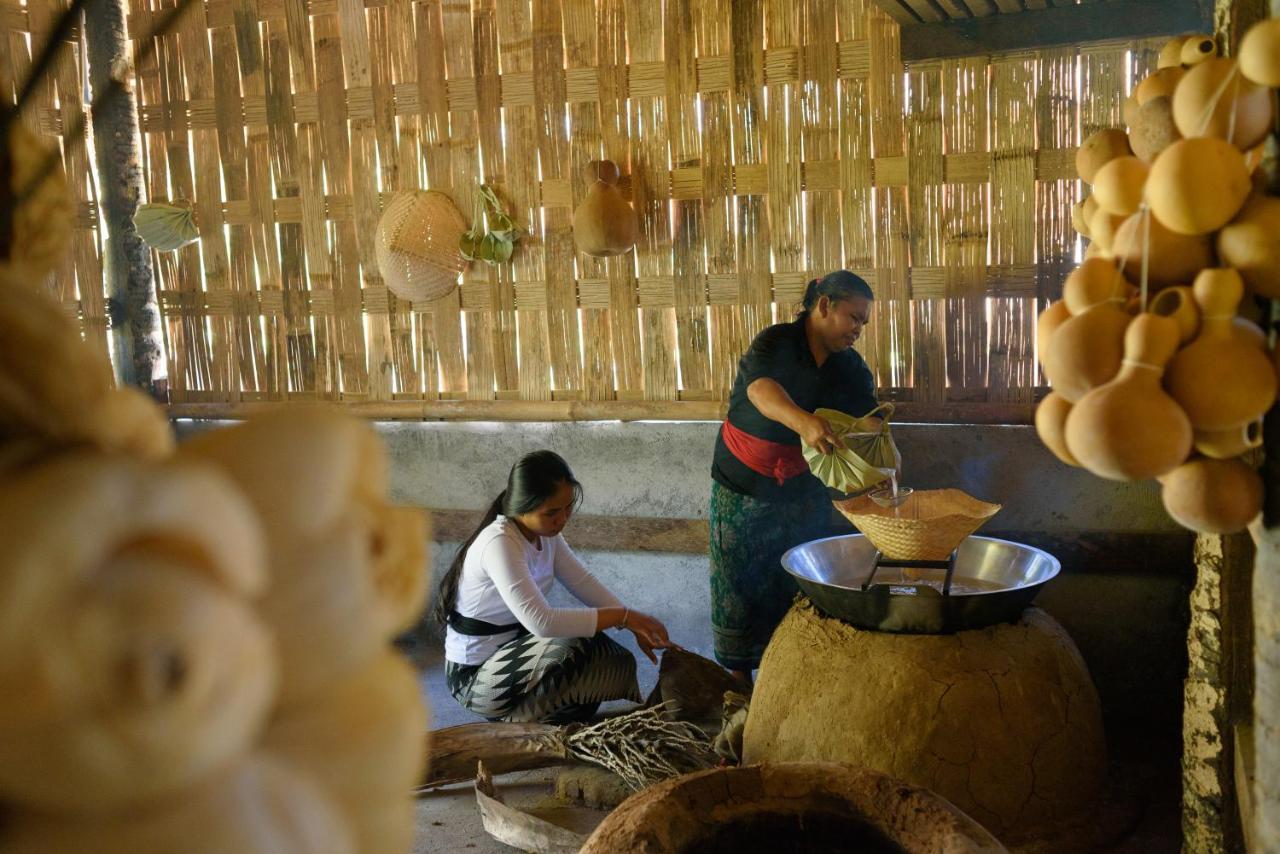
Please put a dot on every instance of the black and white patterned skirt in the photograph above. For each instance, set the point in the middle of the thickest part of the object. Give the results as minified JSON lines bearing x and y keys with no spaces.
{"x":552,"y":680}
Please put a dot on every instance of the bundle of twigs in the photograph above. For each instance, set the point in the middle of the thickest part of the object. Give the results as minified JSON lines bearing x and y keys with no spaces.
{"x":642,"y":747}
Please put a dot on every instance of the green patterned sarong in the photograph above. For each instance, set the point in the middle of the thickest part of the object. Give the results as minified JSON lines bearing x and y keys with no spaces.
{"x":750,"y":591}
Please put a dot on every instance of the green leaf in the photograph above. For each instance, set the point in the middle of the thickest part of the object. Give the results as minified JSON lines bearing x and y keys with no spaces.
{"x":469,"y":245}
{"x":502,"y":253}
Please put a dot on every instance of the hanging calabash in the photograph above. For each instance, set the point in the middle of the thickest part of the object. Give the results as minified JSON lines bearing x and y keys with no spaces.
{"x":1099,"y":149}
{"x":1130,"y":110}
{"x":1118,"y":185}
{"x":1172,"y":258}
{"x":1078,"y":221}
{"x":1051,"y":421}
{"x":1162,"y":82}
{"x":1171,"y":53}
{"x":1251,"y":244}
{"x":1221,"y":380}
{"x":1178,"y":304}
{"x":1197,"y":49}
{"x":1260,"y":53}
{"x":1046,"y":324}
{"x":604,"y":224}
{"x":1153,"y":129}
{"x":1103,"y":227}
{"x":1085,"y":351}
{"x":1196,"y":186}
{"x":1129,"y":428}
{"x":1214,"y":100}
{"x":1228,"y":444}
{"x":1212,"y":496}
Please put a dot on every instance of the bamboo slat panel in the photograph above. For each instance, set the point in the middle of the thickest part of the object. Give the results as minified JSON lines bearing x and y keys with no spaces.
{"x":762,"y":144}
{"x":52,"y":115}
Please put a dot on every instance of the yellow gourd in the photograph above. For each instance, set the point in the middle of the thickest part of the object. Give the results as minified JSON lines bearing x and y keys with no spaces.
{"x":1197,"y":49}
{"x":1227,"y":444}
{"x":1251,"y":244}
{"x":1260,"y":53}
{"x":1178,"y":303}
{"x":1051,"y":421}
{"x":1118,"y":185}
{"x":1153,"y":129}
{"x":1172,"y":258}
{"x":1099,"y":149}
{"x":1212,"y":496}
{"x":604,"y":224}
{"x":1196,"y":186}
{"x":1222,"y":381}
{"x":1162,"y":82}
{"x":1214,"y":100}
{"x":1171,"y":52}
{"x":1085,"y":351}
{"x":1129,"y":428}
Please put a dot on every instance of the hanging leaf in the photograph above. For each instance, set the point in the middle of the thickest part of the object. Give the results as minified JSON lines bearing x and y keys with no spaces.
{"x":469,"y":245}
{"x":503,"y":251}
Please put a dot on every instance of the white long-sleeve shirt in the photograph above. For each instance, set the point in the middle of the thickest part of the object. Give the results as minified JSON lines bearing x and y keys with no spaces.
{"x":506,"y":579}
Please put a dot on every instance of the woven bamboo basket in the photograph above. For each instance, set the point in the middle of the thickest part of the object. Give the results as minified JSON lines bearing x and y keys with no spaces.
{"x":417,"y":245}
{"x":929,"y":525}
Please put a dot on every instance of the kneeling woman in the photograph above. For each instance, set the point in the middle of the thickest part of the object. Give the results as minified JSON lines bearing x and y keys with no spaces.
{"x":509,"y":654}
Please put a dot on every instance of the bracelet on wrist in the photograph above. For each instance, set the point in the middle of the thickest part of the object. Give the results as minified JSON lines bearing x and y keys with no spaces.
{"x":626,"y":615}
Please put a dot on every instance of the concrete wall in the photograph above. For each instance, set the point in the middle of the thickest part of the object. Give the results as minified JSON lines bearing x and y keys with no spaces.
{"x":1126,"y":573}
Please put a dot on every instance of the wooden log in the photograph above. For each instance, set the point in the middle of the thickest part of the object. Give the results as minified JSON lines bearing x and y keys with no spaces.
{"x":504,"y":747}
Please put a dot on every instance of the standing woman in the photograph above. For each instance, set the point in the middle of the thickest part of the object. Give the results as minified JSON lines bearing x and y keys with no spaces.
{"x":511,"y":656}
{"x":764,"y":500}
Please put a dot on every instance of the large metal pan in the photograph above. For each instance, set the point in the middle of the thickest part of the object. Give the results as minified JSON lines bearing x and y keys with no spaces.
{"x":993,"y":581}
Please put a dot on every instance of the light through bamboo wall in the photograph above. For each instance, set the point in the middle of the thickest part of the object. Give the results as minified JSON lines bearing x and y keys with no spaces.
{"x":763,"y":143}
{"x":53,"y":114}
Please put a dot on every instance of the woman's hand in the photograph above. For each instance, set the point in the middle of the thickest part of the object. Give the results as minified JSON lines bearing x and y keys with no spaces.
{"x":649,"y":632}
{"x":817,"y":434}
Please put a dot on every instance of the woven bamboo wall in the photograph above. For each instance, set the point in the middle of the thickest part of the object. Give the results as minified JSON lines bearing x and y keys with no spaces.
{"x":53,"y":114}
{"x":766,"y":143}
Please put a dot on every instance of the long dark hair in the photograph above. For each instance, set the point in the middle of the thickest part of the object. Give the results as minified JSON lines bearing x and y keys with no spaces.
{"x":533,"y":480}
{"x":837,"y":285}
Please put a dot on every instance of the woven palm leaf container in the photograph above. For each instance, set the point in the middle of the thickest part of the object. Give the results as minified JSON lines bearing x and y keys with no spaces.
{"x":417,"y":245}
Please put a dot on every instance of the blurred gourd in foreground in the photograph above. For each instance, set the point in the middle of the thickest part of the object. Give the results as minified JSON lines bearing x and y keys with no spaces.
{"x":195,"y":644}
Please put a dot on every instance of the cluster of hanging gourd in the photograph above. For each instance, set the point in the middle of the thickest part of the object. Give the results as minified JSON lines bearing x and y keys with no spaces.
{"x":1155,"y":373}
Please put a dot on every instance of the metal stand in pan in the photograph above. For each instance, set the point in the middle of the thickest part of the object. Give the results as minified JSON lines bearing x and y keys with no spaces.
{"x":881,"y":561}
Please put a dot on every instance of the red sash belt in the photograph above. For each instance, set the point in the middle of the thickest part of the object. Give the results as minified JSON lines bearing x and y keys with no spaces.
{"x":771,"y":459}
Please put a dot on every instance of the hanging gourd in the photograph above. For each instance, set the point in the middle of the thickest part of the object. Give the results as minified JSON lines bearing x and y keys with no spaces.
{"x":1171,"y":258}
{"x":1260,"y":53}
{"x":1085,"y":351}
{"x":1051,"y":426}
{"x":1212,"y":496}
{"x":1197,"y":49}
{"x":1221,"y":380}
{"x":604,"y":224}
{"x":1215,"y":100}
{"x":1129,"y":428}
{"x":1153,"y":129}
{"x":1251,"y":244}
{"x":166,"y":227}
{"x":1098,"y":150}
{"x":1197,"y":186}
{"x":1118,"y":185}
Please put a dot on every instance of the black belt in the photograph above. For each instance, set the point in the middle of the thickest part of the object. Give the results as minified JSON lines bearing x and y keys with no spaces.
{"x":479,"y":628}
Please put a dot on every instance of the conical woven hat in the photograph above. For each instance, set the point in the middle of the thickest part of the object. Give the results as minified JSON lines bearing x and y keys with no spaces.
{"x":929,"y":525}
{"x":417,"y":245}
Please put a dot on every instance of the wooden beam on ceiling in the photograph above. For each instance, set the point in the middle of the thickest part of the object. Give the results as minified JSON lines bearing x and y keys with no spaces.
{"x":1055,"y":26}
